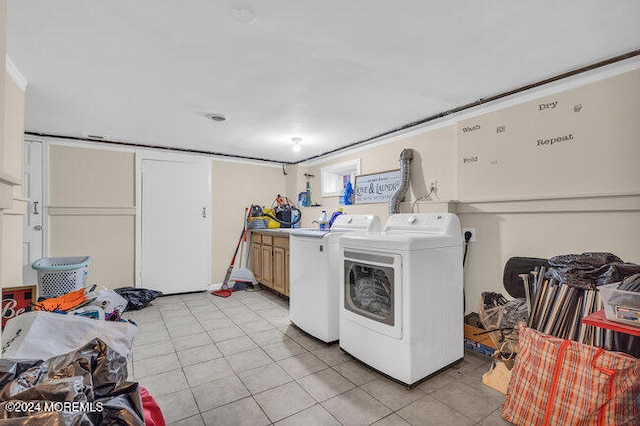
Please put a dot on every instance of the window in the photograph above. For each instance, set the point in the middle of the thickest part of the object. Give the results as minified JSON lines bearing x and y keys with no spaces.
{"x":336,"y":176}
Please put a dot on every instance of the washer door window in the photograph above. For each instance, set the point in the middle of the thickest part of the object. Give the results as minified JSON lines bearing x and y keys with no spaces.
{"x":369,"y":290}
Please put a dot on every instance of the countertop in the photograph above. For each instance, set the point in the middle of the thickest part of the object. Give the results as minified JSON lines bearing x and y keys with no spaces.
{"x":299,"y":232}
{"x":275,"y":231}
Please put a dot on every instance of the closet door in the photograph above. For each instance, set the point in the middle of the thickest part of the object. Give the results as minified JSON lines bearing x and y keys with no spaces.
{"x":175,"y":225}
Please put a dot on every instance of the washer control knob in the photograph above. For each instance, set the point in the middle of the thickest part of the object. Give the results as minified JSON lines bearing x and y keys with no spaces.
{"x":412,"y":219}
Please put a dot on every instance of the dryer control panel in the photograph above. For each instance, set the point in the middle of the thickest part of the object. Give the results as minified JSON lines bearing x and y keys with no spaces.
{"x":351,"y":222}
{"x":435,"y":223}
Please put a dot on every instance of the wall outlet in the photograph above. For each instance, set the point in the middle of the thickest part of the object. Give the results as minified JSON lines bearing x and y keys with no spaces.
{"x":473,"y":234}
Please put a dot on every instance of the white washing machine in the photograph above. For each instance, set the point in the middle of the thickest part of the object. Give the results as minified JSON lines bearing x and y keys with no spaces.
{"x":401,"y":309}
{"x":314,"y":274}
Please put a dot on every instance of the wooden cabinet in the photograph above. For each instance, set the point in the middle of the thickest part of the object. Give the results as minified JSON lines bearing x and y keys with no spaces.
{"x":278,"y":270}
{"x":286,"y":275}
{"x":267,"y":265}
{"x":256,"y":256}
{"x":270,"y":259}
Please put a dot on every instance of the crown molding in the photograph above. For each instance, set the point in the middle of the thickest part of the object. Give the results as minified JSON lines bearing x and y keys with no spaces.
{"x":16,"y":75}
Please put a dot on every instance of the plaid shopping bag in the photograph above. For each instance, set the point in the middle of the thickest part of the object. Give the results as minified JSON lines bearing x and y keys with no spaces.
{"x":562,"y":382}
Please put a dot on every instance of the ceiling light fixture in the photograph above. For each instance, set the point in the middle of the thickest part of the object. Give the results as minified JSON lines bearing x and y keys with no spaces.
{"x":218,"y":118}
{"x":296,"y":144}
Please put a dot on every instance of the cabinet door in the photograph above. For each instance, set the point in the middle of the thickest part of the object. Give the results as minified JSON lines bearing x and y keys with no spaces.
{"x":256,"y":261}
{"x":286,"y":272}
{"x":267,"y":265}
{"x":279,"y":269}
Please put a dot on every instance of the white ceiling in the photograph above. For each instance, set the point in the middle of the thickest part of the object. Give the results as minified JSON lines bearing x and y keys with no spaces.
{"x":331,"y":72}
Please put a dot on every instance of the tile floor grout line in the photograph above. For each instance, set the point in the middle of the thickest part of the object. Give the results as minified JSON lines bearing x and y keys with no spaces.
{"x":285,"y":384}
{"x":454,"y":409}
{"x":195,"y":400}
{"x":393,"y":411}
{"x":261,"y":408}
{"x":251,"y":394}
{"x":491,"y":413}
{"x":185,"y":375}
{"x":307,"y":349}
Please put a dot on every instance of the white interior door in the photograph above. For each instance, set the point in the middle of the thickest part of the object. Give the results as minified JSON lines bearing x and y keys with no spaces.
{"x":33,"y":229}
{"x":175,"y":226}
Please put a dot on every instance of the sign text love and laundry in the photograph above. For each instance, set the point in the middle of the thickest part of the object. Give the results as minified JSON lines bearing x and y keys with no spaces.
{"x":377,"y":187}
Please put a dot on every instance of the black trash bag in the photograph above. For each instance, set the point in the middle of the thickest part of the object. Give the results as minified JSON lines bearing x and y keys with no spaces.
{"x":93,"y":377}
{"x":10,"y":369}
{"x":138,"y":298}
{"x":46,"y":418}
{"x":123,"y":406}
{"x":589,"y":270}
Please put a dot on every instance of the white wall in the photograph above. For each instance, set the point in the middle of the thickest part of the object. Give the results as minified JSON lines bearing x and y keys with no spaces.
{"x":582,"y":194}
{"x":434,"y":157}
{"x":92,"y":206}
{"x":524,"y":198}
{"x":237,"y":185}
{"x":92,"y":210}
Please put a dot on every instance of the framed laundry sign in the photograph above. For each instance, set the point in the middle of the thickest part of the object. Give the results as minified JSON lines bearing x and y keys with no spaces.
{"x":16,"y":301}
{"x":377,"y":187}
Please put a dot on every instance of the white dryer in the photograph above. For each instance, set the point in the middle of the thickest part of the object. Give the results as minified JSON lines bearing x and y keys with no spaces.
{"x":401,"y":309}
{"x":314,"y":274}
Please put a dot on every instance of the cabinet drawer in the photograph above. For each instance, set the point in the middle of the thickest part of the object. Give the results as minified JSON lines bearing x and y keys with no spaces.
{"x":257,"y":238}
{"x":267,"y":240}
{"x":281,"y":242}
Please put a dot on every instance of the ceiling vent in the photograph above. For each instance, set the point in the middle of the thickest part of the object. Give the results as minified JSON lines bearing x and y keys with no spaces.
{"x":218,"y":118}
{"x":94,"y":137}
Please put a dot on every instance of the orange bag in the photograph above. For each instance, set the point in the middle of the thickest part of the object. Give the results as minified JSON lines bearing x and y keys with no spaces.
{"x":63,"y":303}
{"x":562,"y":382}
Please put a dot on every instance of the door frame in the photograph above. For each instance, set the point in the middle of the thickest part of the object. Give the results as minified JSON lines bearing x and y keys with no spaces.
{"x":44,"y":206}
{"x":143,"y":154}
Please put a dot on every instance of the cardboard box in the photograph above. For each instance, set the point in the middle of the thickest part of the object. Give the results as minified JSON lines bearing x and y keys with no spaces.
{"x":473,"y":333}
{"x":480,"y":343}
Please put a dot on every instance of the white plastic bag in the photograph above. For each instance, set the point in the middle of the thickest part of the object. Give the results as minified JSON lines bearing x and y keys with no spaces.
{"x":42,"y":335}
{"x":108,"y":300}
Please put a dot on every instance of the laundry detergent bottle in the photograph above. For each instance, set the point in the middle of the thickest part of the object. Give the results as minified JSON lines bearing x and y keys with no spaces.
{"x":334,"y":216}
{"x":346,"y":196}
{"x":323,"y":220}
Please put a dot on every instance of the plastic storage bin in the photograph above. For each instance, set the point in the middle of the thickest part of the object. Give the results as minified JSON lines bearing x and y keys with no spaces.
{"x":60,"y":275}
{"x":619,"y":305}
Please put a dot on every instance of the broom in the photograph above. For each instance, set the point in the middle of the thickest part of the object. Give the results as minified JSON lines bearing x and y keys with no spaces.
{"x":224,"y":290}
{"x":243,"y":277}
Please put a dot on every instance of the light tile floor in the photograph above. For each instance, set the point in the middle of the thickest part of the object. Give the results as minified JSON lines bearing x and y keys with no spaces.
{"x":238,"y":361}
